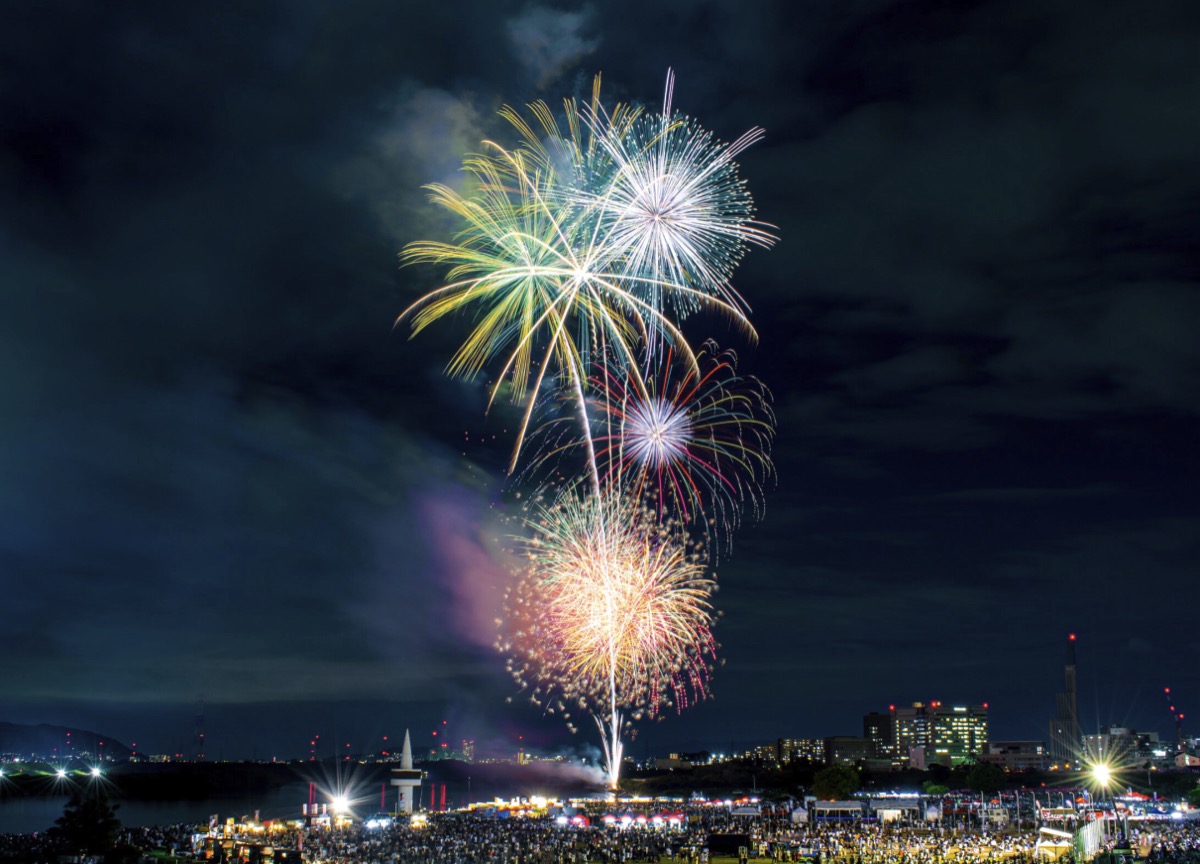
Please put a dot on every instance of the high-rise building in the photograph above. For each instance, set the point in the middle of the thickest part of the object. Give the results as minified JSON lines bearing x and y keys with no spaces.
{"x":949,"y":734}
{"x":957,"y":733}
{"x":910,"y":728}
{"x":1066,"y":738}
{"x":879,"y":730}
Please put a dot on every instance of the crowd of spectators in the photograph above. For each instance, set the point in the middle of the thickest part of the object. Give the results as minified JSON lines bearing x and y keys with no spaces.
{"x":1174,"y":844}
{"x":466,"y":838}
{"x":873,"y":843}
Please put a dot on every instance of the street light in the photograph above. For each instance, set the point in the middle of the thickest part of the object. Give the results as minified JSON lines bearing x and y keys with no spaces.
{"x":1102,"y":776}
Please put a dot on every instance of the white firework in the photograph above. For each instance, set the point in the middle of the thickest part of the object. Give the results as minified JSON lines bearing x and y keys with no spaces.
{"x":674,"y":208}
{"x":657,"y":433}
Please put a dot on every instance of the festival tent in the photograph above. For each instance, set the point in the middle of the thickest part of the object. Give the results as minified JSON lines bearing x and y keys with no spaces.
{"x":892,"y":809}
{"x":1052,"y":844}
{"x":836,"y":809}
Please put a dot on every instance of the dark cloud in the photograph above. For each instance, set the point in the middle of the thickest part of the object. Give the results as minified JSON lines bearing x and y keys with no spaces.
{"x":225,"y":473}
{"x":547,"y":41}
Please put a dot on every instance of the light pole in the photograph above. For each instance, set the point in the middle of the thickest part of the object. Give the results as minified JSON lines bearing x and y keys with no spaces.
{"x":1102,"y":774}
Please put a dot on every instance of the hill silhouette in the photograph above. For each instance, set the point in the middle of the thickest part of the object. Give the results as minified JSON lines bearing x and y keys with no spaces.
{"x":46,"y":742}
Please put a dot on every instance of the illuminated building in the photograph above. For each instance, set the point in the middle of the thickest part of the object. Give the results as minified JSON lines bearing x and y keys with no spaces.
{"x":1122,"y":746}
{"x":949,"y":735}
{"x":879,"y":730}
{"x":1110,"y":747}
{"x":910,"y":729}
{"x":1017,"y":755}
{"x":767,"y":753}
{"x":958,"y":733}
{"x":672,"y":762}
{"x":799,"y":750}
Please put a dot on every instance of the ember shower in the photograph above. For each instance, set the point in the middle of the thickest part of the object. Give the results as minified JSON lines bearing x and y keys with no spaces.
{"x":583,"y":246}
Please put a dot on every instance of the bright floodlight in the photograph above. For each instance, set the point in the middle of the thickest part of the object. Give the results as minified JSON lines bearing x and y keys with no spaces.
{"x":61,"y":773}
{"x":1101,"y":774}
{"x":340,"y":804}
{"x":96,"y":772}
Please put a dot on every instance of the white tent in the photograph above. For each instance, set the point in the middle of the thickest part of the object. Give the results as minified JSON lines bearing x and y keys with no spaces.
{"x":836,"y":808}
{"x":1052,"y":844}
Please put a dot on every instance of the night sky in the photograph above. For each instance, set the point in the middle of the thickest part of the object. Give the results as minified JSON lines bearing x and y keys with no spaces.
{"x":225,"y":476}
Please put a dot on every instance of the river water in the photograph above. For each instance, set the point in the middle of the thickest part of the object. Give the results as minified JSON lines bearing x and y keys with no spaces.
{"x":27,"y":815}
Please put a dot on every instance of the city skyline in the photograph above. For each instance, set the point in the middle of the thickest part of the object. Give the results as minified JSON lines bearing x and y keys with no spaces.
{"x":225,"y":477}
{"x":885,"y":737}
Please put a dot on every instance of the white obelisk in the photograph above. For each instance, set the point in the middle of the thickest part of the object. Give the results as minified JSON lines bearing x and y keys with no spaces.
{"x":406,"y":778}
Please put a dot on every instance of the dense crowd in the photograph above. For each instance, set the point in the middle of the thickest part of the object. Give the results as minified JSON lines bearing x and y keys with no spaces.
{"x":461,"y":838}
{"x":872,"y":843}
{"x":454,"y":838}
{"x":1176,"y":844}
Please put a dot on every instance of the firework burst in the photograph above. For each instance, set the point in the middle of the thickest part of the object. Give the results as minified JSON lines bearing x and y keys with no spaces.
{"x":695,"y":441}
{"x":581,"y":248}
{"x":545,"y":287}
{"x":673,"y":206}
{"x":691,"y":439}
{"x":612,"y":614}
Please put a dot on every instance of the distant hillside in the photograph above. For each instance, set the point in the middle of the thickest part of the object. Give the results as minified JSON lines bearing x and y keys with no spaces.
{"x":46,"y":742}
